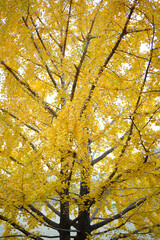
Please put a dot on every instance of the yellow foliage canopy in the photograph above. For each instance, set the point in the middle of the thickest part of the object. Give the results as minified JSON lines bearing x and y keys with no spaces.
{"x":79,"y":118}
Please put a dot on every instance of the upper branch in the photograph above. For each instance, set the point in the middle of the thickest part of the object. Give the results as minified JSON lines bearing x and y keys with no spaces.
{"x":44,"y":46}
{"x":102,"y":68}
{"x":18,"y":119}
{"x":124,"y":31}
{"x":66,"y":32}
{"x":96,"y":160}
{"x":147,"y":70}
{"x":151,"y":117}
{"x":84,"y":54}
{"x":79,"y":67}
{"x":27,"y":87}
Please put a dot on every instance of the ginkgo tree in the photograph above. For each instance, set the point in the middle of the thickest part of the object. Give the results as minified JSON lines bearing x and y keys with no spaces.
{"x":79,"y":118}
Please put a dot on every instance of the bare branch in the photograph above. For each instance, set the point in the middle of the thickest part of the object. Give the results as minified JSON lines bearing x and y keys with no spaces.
{"x":114,"y":228}
{"x":52,"y":208}
{"x":108,"y":151}
{"x":59,"y":45}
{"x":51,"y":223}
{"x":103,"y":156}
{"x":20,"y":228}
{"x":12,"y":236}
{"x":127,"y":140}
{"x":47,"y":220}
{"x":52,"y":78}
{"x":119,"y":215}
{"x":47,"y":236}
{"x":94,"y":214}
{"x":138,"y":231}
{"x":38,"y":34}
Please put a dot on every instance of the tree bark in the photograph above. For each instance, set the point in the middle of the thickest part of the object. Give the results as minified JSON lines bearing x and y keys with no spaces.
{"x":84,"y":216}
{"x":64,"y":220}
{"x":64,"y":204}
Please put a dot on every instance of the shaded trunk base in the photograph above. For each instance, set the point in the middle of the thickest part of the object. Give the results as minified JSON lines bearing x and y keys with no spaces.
{"x":64,"y":221}
{"x":65,"y":235}
{"x":81,"y":236}
{"x":84,"y":226}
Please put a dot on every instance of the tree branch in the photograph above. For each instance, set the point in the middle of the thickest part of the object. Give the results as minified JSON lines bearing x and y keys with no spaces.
{"x":138,"y":30}
{"x":132,"y":54}
{"x":33,"y":93}
{"x":20,"y":228}
{"x":66,"y":32}
{"x":119,"y":215}
{"x":83,"y":55}
{"x":103,"y":156}
{"x":102,"y":68}
{"x":52,"y":208}
{"x":13,"y":116}
{"x":146,"y":72}
{"x":42,"y":42}
{"x":12,"y":236}
{"x":16,"y":161}
{"x":47,"y":220}
{"x":151,"y":117}
{"x":114,"y":228}
{"x":106,"y":153}
{"x":138,"y":231}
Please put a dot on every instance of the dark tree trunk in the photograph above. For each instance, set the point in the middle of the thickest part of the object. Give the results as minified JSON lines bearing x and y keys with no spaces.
{"x":64,"y":220}
{"x":83,"y":226}
{"x":84,"y":216}
{"x":64,"y":206}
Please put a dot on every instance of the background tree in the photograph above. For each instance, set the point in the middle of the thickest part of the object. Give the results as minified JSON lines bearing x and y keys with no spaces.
{"x":79,"y":119}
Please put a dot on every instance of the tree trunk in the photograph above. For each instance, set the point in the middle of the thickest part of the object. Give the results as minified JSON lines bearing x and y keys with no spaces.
{"x":64,"y":220}
{"x":64,"y":206}
{"x":84,"y":216}
{"x":83,"y":226}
